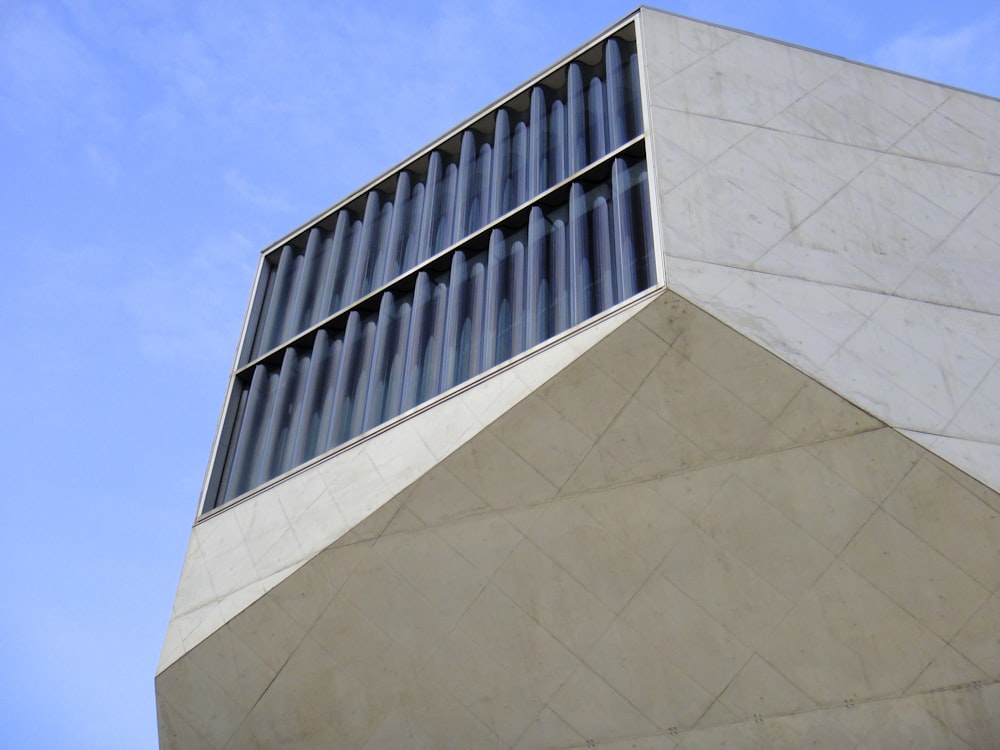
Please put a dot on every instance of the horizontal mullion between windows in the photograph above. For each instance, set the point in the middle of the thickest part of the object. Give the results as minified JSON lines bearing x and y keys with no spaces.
{"x":556,"y":195}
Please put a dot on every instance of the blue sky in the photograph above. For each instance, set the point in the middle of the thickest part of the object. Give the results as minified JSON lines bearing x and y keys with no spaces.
{"x":152,"y":148}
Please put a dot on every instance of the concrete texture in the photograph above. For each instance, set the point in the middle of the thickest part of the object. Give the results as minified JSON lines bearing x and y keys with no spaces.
{"x":842,"y":216}
{"x":236,"y":555}
{"x":720,"y":550}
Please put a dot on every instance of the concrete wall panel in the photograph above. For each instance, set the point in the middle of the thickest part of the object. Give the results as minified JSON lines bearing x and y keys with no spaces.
{"x":842,"y":216}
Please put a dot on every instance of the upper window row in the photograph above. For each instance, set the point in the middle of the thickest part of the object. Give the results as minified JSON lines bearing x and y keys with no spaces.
{"x":548,"y":133}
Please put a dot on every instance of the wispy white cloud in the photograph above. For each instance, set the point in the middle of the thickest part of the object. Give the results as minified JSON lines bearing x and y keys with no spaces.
{"x":83,"y":306}
{"x":102,"y":163}
{"x":968,"y":56}
{"x":49,"y":80}
{"x":187,"y":312}
{"x":271,"y":200}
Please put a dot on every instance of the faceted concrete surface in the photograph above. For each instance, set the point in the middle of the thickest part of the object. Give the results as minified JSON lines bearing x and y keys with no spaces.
{"x":844,"y":217}
{"x":237,"y":555}
{"x":678,"y":541}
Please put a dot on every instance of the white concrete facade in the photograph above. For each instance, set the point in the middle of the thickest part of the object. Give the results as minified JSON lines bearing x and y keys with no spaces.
{"x":844,"y":217}
{"x":666,"y":531}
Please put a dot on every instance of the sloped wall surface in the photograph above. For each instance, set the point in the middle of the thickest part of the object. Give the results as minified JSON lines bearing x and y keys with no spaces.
{"x":844,"y":217}
{"x":678,"y":541}
{"x":236,"y":556}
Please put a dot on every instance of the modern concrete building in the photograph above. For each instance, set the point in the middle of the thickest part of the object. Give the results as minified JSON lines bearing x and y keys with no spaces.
{"x":656,"y":406}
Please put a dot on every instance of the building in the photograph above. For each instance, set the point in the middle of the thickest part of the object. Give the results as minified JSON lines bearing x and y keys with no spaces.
{"x":658,"y":405}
